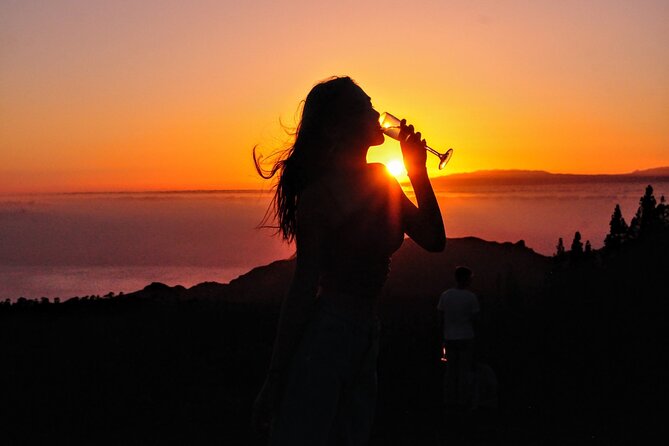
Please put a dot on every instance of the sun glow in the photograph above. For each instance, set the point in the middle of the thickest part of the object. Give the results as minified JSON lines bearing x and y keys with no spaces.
{"x":396,"y":167}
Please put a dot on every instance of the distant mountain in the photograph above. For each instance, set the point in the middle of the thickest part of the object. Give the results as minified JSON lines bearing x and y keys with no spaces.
{"x":657,"y":171}
{"x":415,"y":273}
{"x":540,"y":177}
{"x":263,"y":284}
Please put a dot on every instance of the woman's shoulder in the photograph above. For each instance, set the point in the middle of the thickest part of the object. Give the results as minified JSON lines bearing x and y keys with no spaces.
{"x":380,"y":176}
{"x":379,"y":171}
{"x":386,"y":182}
{"x":377,"y":168}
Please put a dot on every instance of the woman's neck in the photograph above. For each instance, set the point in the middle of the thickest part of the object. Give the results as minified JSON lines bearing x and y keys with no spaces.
{"x":351,"y":162}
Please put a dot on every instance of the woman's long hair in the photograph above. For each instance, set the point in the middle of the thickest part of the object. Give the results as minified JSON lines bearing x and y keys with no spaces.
{"x":327,"y":122}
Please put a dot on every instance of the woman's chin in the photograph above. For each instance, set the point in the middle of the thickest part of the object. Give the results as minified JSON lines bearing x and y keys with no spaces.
{"x":378,"y":140}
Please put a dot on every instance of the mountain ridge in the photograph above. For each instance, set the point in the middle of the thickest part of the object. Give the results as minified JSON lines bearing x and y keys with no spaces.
{"x":542,"y":177}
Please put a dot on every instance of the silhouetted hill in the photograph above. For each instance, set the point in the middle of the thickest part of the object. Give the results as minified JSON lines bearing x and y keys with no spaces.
{"x":265,"y":284}
{"x":540,"y":177}
{"x":414,"y":272}
{"x":657,"y":171}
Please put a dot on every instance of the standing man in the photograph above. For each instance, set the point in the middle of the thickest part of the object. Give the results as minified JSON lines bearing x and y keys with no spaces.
{"x":458,"y":307}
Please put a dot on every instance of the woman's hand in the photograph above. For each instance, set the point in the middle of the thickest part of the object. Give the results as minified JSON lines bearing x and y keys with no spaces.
{"x":413,"y":148}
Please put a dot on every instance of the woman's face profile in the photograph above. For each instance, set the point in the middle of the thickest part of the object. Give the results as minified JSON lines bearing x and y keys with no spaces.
{"x":368,"y":126}
{"x":374,"y":132}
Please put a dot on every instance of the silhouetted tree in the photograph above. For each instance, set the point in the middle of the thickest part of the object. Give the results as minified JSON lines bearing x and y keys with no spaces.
{"x":647,"y":206}
{"x":647,"y":218}
{"x":576,"y":247}
{"x":618,"y":230}
{"x":663,"y":212}
{"x":588,"y":248}
{"x":635,"y":226}
{"x":559,"y":249}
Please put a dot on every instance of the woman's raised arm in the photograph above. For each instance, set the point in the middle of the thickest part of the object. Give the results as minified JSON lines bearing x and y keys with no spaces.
{"x":424,"y":223}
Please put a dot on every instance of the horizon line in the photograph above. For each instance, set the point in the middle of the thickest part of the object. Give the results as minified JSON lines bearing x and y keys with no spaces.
{"x":639,"y":172}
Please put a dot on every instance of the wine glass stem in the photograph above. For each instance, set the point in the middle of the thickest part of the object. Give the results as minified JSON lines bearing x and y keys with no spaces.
{"x":432,"y":151}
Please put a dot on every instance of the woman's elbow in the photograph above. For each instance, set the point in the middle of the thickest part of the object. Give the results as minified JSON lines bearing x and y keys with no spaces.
{"x":429,"y":237}
{"x":436,"y":244}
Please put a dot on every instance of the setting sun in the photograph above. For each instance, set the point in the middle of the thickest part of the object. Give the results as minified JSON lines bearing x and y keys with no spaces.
{"x":395,"y":167}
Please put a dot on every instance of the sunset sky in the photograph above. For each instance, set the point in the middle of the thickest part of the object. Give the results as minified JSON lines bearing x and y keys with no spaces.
{"x":127,"y":95}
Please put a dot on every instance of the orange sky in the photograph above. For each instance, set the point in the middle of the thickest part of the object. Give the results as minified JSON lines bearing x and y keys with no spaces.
{"x":126,"y":95}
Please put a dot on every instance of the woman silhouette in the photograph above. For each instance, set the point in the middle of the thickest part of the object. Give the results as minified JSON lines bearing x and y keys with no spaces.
{"x":347,"y":218}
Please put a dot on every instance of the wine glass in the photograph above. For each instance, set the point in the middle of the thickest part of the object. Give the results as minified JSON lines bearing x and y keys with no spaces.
{"x":390,"y":126}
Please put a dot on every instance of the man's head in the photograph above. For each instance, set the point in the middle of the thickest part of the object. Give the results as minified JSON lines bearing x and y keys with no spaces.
{"x":463,"y":276}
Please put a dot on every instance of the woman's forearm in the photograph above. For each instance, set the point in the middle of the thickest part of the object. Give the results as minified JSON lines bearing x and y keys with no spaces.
{"x":430,"y":223}
{"x":425,"y":224}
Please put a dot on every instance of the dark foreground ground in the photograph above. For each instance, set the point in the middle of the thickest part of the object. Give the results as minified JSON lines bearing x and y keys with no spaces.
{"x":145,"y":373}
{"x":186,"y":373}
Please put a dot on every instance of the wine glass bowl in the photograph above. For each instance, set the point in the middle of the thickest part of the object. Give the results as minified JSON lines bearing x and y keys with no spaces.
{"x":390,"y":126}
{"x":444,"y":158}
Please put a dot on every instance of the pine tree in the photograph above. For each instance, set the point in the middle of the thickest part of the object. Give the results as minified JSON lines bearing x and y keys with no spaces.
{"x":647,"y":208}
{"x":663,"y":212}
{"x":649,"y":218}
{"x":576,"y":246}
{"x":560,"y":252}
{"x":588,"y":248}
{"x":635,"y":226}
{"x":618,"y":231}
